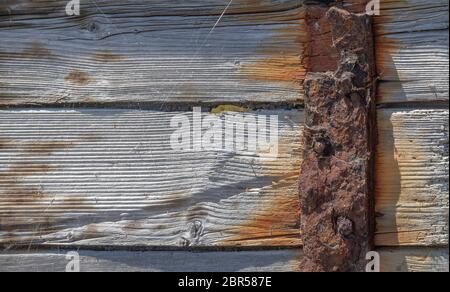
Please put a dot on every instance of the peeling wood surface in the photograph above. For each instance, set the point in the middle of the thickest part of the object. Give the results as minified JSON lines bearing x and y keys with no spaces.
{"x":412,"y":50}
{"x":392,"y":260}
{"x":111,"y":177}
{"x":412,"y":178}
{"x":151,"y":51}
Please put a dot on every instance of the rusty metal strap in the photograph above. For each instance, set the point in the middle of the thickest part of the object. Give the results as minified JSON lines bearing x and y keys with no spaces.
{"x":336,"y":180}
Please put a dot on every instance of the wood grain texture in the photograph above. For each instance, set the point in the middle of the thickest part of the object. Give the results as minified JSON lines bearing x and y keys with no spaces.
{"x":177,"y":51}
{"x":414,"y":260}
{"x":155,"y":261}
{"x":412,"y":199}
{"x":412,"y":51}
{"x":111,"y":177}
{"x":392,"y":260}
{"x":107,"y":177}
{"x":151,"y":51}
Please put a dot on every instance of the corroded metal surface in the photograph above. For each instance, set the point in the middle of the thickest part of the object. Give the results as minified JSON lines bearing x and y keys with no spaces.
{"x":336,"y":178}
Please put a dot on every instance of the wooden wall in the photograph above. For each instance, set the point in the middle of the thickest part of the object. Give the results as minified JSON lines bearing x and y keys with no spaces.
{"x":412,"y":159}
{"x":86,"y":104}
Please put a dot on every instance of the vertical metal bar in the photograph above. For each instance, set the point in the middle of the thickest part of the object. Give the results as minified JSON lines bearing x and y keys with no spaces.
{"x":336,"y":180}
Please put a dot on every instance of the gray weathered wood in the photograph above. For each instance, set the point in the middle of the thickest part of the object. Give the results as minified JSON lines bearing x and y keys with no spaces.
{"x":111,"y":177}
{"x":392,"y":260}
{"x":177,"y":51}
{"x":412,"y":180}
{"x":155,"y":261}
{"x":151,"y":51}
{"x":414,"y":260}
{"x":107,"y":177}
{"x":412,"y":50}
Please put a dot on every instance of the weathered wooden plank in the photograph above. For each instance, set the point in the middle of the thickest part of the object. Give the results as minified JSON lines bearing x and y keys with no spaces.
{"x":111,"y":177}
{"x":155,"y":261}
{"x":414,"y":260}
{"x":392,"y":260}
{"x":151,"y":51}
{"x":45,"y":8}
{"x":412,"y":178}
{"x":62,"y":171}
{"x":177,"y":51}
{"x":412,"y":50}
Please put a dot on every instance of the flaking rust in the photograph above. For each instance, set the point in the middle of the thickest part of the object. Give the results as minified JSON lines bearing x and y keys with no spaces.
{"x":336,"y":179}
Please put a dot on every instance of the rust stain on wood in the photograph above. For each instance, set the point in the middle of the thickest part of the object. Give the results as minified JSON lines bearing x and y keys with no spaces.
{"x":386,"y":45}
{"x":131,"y":226}
{"x":310,"y":54}
{"x":45,"y":147}
{"x":37,"y":50}
{"x":28,"y":169}
{"x":276,"y":68}
{"x":34,"y":50}
{"x":280,"y":65}
{"x":276,"y":223}
{"x":16,"y":194}
{"x":91,"y":231}
{"x":77,"y":77}
{"x":4,"y":143}
{"x":106,"y":56}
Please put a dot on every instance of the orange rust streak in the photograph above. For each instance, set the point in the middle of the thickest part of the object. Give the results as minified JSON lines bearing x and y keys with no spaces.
{"x":34,"y":50}
{"x":78,"y":77}
{"x":277,"y":221}
{"x":277,"y":224}
{"x":17,"y":194}
{"x":108,"y":57}
{"x":4,"y":143}
{"x":280,"y":57}
{"x":45,"y":147}
{"x":385,"y":47}
{"x":276,"y":68}
{"x":385,"y":50}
